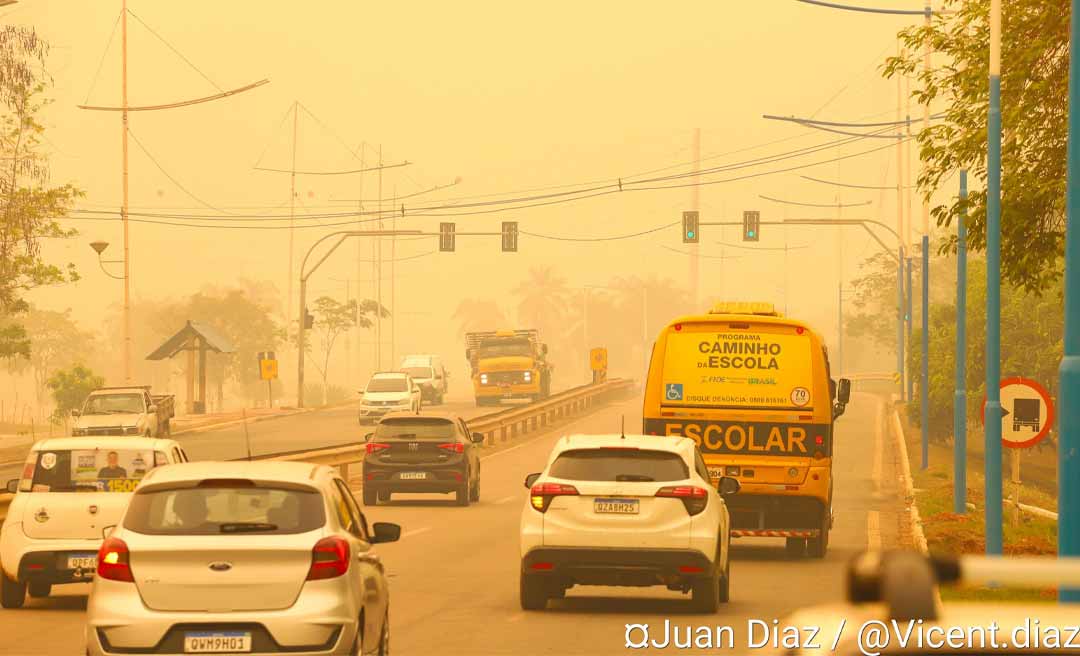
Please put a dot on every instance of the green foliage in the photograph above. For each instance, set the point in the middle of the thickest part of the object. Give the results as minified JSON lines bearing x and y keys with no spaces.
{"x":70,"y":388}
{"x":332,"y":319}
{"x":1034,"y":83}
{"x":56,"y":341}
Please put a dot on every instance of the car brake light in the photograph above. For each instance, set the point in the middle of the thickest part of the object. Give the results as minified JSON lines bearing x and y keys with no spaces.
{"x":690,"y":569}
{"x":819,"y":440}
{"x":375,"y":447}
{"x":542,"y":494}
{"x":694,"y":498}
{"x":456,"y":447}
{"x":114,"y":561}
{"x":329,"y":559}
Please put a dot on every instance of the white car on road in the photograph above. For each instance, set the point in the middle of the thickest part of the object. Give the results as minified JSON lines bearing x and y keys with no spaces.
{"x":390,"y":391}
{"x":625,"y":510}
{"x":241,"y":557}
{"x":72,"y":490}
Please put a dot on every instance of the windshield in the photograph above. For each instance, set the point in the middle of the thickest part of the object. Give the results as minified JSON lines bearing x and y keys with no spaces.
{"x":418,"y":428}
{"x":108,"y":404}
{"x":522,"y":347}
{"x":213,"y":510}
{"x":89,"y":470}
{"x":619,"y":465}
{"x":419,"y":372}
{"x":387,"y":385}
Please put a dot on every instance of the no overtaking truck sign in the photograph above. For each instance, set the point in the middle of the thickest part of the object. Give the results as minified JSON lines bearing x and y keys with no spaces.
{"x":1027,"y":412}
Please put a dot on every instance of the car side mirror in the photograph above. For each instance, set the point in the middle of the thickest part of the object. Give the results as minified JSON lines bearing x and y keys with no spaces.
{"x":75,"y":412}
{"x":367,"y":438}
{"x":13,"y":486}
{"x":531,"y":479}
{"x":843,"y":392}
{"x":728,"y":486}
{"x":105,"y":530}
{"x":383,"y":532}
{"x":478,"y":438}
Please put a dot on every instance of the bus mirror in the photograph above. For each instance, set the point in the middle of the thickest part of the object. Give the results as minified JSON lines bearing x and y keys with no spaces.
{"x":838,"y":409}
{"x":843,"y":393}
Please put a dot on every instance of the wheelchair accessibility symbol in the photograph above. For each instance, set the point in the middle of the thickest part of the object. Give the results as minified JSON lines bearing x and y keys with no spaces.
{"x":673,"y":391}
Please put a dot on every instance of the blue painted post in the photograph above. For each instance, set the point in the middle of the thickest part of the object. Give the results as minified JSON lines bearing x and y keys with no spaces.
{"x":992,"y":418}
{"x":960,"y":394}
{"x":924,"y":385}
{"x":909,"y":317}
{"x":1069,"y":403}
{"x":900,"y":319}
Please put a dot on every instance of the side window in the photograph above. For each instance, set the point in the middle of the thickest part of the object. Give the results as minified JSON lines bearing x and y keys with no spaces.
{"x":183,"y":454}
{"x":699,"y":465}
{"x":160,"y":458}
{"x":341,"y":508}
{"x":177,"y":456}
{"x":358,"y":523}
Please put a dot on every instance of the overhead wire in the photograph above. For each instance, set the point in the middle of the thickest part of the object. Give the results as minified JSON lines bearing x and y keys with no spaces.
{"x":175,"y":51}
{"x":101,"y":62}
{"x":171,"y":179}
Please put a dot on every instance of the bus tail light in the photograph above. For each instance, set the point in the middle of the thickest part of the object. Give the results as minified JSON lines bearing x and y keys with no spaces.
{"x":694,"y":498}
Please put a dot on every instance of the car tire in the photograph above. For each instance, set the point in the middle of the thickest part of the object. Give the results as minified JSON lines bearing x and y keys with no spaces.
{"x":461,"y":495}
{"x":705,"y":593}
{"x":39,"y":589}
{"x":370,"y":497}
{"x":533,"y":592}
{"x":384,"y":637}
{"x":12,"y":593}
{"x":795,"y":547}
{"x":474,"y":491}
{"x":817,"y":547}
{"x":725,"y":582}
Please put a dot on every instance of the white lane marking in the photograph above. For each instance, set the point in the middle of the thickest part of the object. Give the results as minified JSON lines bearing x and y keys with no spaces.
{"x":873,"y":531}
{"x":505,"y":500}
{"x":415,"y":531}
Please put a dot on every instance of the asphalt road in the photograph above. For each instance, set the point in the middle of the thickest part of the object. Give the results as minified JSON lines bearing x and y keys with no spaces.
{"x":454,"y":574}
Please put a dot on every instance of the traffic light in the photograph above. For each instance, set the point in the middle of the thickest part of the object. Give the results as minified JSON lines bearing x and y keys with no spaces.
{"x":309,"y":320}
{"x":690,"y":233}
{"x":446,"y":237}
{"x":751,"y":222}
{"x":509,"y":236}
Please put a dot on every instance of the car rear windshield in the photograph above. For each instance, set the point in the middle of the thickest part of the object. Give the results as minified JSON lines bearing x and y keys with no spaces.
{"x":210,"y":510}
{"x":415,"y":428}
{"x":109,"y":404}
{"x":87,"y":470}
{"x":387,"y":385}
{"x":419,"y":372}
{"x":619,"y":465}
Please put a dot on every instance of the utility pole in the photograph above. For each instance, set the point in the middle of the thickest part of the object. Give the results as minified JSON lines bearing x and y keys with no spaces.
{"x":900,"y":183}
{"x":992,"y":425}
{"x":695,"y":204}
{"x":360,"y":254}
{"x":960,"y":391}
{"x":292,"y":211}
{"x":378,"y":275}
{"x":393,"y":282}
{"x":124,"y":209}
{"x":924,"y":377}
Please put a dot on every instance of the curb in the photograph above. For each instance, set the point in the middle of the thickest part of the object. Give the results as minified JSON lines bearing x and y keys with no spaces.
{"x":909,"y":492}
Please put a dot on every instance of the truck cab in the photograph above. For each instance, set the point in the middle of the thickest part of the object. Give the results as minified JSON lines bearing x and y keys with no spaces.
{"x":508,"y":364}
{"x":124,"y":411}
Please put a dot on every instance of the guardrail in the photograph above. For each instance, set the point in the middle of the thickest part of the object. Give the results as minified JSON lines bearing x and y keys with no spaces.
{"x":497,"y":426}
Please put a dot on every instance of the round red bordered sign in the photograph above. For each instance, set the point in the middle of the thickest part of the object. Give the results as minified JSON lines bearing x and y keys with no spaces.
{"x":1027,"y":412}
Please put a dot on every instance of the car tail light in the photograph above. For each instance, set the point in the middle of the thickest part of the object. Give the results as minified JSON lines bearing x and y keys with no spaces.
{"x":329,"y":559}
{"x":690,"y":569}
{"x":114,"y":561}
{"x":456,"y":447}
{"x":375,"y":447}
{"x":694,"y":498}
{"x":542,"y":494}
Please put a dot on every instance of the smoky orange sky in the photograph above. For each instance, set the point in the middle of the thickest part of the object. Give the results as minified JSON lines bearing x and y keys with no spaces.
{"x":508,"y":96}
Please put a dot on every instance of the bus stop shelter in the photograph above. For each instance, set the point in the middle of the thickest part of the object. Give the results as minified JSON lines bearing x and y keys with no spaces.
{"x":194,"y":338}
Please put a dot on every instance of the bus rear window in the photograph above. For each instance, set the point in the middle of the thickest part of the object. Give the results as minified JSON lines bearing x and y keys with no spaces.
{"x":738,"y":369}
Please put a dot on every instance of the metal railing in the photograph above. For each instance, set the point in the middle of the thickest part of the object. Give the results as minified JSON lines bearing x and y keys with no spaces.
{"x":496,"y":426}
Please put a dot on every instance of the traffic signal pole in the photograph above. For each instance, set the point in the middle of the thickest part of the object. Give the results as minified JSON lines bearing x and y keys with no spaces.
{"x":992,"y":421}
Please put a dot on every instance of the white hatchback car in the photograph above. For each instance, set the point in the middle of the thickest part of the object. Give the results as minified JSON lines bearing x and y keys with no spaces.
{"x":389,"y":391}
{"x":72,"y":490}
{"x":625,"y":510}
{"x":241,"y":557}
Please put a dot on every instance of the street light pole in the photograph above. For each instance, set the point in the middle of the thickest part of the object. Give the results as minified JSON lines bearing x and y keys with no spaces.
{"x":960,"y":394}
{"x":992,"y":422}
{"x":1069,"y":422}
{"x":124,"y":176}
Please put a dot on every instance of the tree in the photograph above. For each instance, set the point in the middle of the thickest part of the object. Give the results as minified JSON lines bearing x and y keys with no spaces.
{"x":332,"y":318}
{"x":544,"y":300}
{"x":475,"y":314}
{"x":70,"y":388}
{"x":56,"y":341}
{"x":28,"y":207}
{"x":1034,"y":84}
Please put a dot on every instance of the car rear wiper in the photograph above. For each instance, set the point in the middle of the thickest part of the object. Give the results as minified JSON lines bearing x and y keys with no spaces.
{"x":247,"y":527}
{"x":635,"y":478}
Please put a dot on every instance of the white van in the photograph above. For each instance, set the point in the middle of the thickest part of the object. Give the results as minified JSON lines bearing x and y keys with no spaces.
{"x":429,"y":373}
{"x":72,"y":492}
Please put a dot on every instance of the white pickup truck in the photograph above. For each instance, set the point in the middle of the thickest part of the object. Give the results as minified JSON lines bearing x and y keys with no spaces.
{"x":124,"y":411}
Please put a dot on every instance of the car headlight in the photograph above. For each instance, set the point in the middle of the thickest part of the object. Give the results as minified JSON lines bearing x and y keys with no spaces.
{"x":528,"y":376}
{"x":483,"y":379}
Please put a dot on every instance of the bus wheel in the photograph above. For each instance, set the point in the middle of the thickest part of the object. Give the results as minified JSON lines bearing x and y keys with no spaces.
{"x":816,"y":547}
{"x":795,"y":547}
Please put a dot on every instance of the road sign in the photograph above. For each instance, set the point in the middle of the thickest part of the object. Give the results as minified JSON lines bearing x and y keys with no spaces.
{"x":1027,"y":412}
{"x":268,"y":369}
{"x":598,"y":359}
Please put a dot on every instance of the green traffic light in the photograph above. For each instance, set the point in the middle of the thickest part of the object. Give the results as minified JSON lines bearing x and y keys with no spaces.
{"x":750,"y":234}
{"x":689,"y":234}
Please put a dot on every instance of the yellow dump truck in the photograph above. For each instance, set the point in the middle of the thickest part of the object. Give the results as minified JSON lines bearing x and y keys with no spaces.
{"x":508,"y":364}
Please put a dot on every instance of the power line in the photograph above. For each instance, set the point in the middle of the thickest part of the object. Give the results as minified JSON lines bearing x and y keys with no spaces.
{"x":101,"y":63}
{"x":595,"y":239}
{"x":175,"y":51}
{"x":169,"y":176}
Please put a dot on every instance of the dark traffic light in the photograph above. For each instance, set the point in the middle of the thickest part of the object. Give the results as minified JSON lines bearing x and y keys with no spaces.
{"x":690,"y":233}
{"x":509,"y":236}
{"x":446,"y":237}
{"x":751,"y":223}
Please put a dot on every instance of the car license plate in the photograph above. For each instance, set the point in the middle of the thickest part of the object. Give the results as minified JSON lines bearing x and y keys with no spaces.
{"x":217,"y":642}
{"x":412,"y":476}
{"x":616,"y":506}
{"x":82,"y":561}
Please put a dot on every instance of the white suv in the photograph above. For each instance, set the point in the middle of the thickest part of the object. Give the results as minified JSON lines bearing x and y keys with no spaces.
{"x":625,"y":510}
{"x":73,"y":491}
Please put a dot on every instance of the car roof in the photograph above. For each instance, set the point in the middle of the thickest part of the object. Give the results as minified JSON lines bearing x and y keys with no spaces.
{"x":389,"y":374}
{"x":672,"y":443}
{"x":119,"y":390}
{"x":103,"y":442}
{"x":401,"y":414}
{"x":300,"y":473}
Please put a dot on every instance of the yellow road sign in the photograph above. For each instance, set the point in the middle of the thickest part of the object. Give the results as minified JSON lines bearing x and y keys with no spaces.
{"x":268,"y":369}
{"x":598,"y":359}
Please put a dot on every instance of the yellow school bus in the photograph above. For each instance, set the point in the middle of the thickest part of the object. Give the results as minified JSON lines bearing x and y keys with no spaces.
{"x":753,"y":389}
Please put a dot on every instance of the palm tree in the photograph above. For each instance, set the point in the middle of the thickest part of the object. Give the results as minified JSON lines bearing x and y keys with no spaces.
{"x":544,"y":302}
